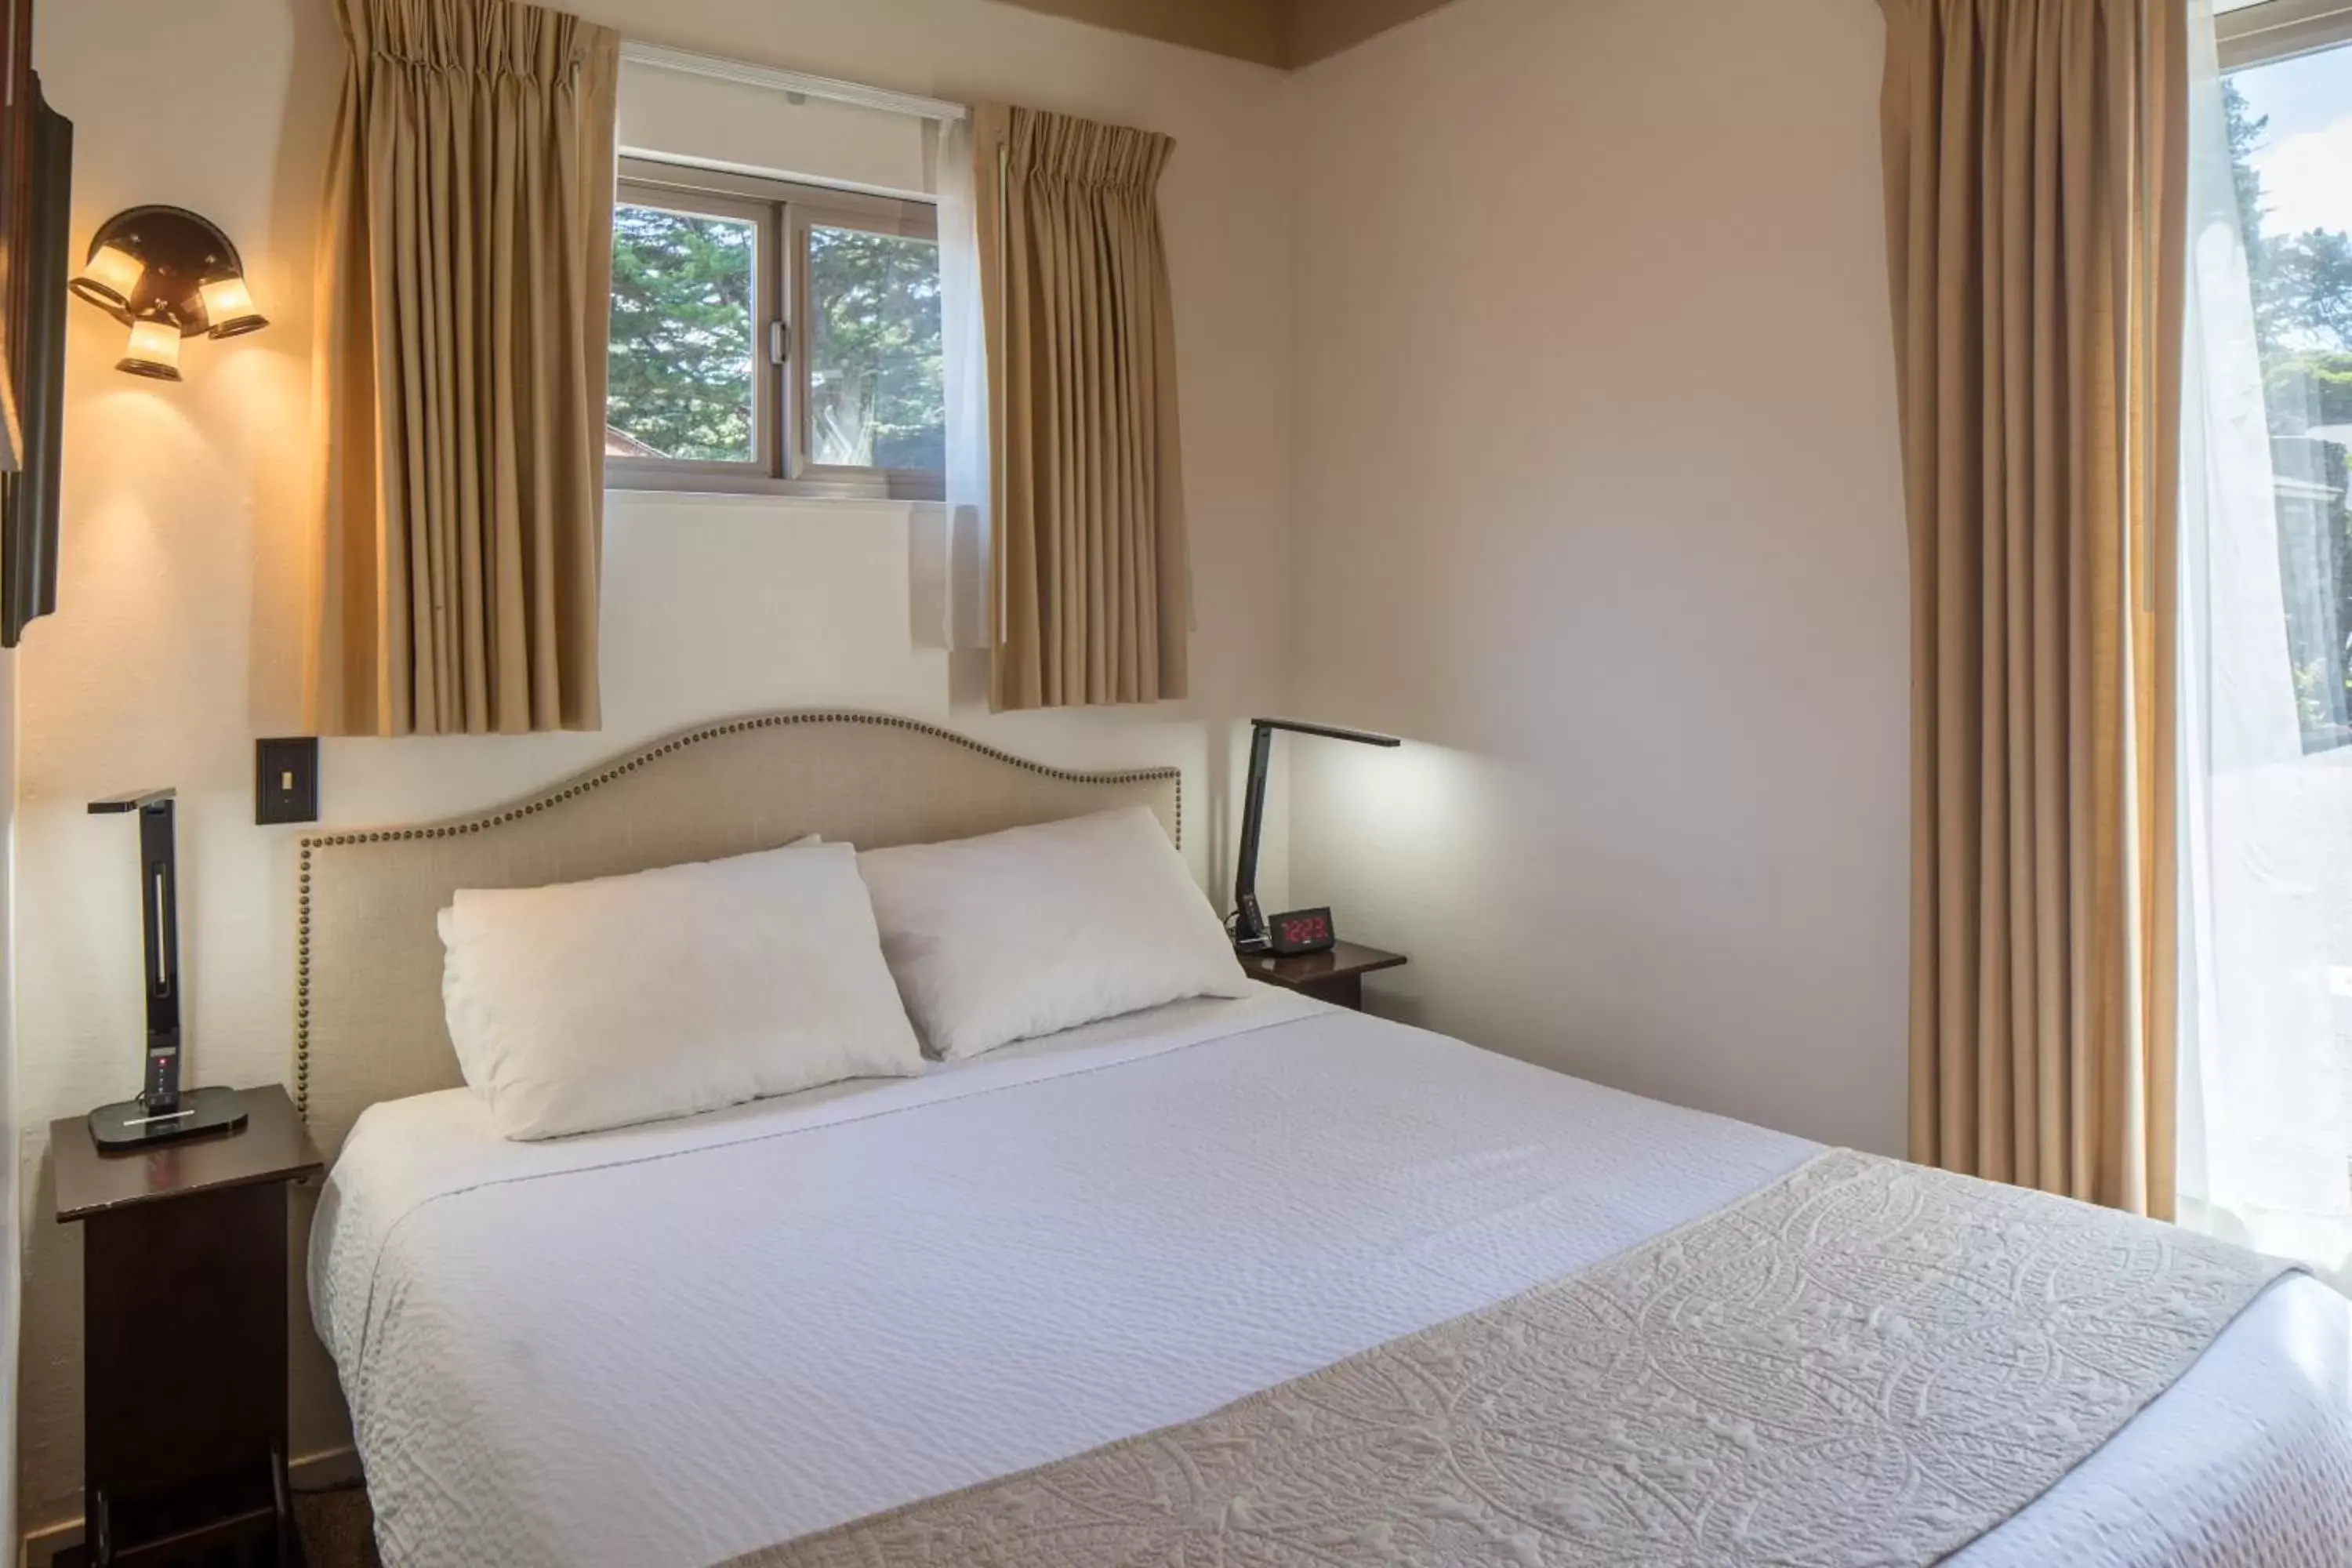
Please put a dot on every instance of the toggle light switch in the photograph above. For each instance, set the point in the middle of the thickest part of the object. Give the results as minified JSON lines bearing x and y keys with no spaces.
{"x":285,"y":780}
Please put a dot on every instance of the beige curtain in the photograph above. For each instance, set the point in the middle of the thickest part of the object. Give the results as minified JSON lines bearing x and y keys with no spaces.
{"x":1091,"y":599}
{"x":2036,"y":168}
{"x":464,"y":287}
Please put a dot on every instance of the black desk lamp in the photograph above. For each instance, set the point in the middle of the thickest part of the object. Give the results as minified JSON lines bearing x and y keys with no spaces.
{"x":1306,"y":931}
{"x":162,"y":1112}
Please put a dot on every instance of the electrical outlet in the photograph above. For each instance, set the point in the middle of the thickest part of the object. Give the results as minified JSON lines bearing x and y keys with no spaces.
{"x":285,"y":780}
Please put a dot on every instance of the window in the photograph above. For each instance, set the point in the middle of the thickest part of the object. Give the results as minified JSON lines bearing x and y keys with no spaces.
{"x":685,"y":385}
{"x":2275,"y":909}
{"x":2290,"y":124}
{"x":773,"y":337}
{"x":2260,"y":31}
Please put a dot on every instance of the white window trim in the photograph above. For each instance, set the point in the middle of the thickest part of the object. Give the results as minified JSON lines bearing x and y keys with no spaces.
{"x":2276,"y":30}
{"x":777,"y":79}
{"x":783,"y":466}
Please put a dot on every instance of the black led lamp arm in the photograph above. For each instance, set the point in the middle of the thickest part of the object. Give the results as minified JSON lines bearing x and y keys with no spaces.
{"x":162,"y":1111}
{"x":1250,"y":930}
{"x":159,"y":911}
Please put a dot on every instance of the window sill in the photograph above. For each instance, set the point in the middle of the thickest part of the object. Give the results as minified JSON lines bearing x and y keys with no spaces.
{"x":892,"y":491}
{"x":795,"y":500}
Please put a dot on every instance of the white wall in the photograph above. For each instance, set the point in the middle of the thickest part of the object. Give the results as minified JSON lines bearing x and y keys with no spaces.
{"x":1598,"y":494}
{"x":185,"y":514}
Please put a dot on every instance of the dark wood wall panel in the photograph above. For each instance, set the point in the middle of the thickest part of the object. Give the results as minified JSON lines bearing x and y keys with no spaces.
{"x":1317,"y":29}
{"x":1245,"y":29}
{"x":1289,"y":33}
{"x":17,"y":121}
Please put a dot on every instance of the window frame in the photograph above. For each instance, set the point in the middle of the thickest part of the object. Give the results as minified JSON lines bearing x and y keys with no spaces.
{"x":869,"y":215}
{"x":786,"y":210}
{"x":2273,"y":30}
{"x":767,"y":383}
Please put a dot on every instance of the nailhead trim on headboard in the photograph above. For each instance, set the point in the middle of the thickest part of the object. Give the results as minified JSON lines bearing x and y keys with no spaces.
{"x":606,"y":774}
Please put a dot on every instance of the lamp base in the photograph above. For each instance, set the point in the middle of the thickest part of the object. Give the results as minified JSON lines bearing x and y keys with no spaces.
{"x":116,"y":1129}
{"x":1248,"y":924}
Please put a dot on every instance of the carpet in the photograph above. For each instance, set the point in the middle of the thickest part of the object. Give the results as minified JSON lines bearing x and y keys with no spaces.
{"x":337,"y":1528}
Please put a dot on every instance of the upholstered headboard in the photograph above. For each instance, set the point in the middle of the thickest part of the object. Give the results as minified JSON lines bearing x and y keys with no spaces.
{"x":368,"y":1013}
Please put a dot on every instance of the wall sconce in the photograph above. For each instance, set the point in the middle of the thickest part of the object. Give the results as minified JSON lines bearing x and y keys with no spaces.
{"x":167,"y":274}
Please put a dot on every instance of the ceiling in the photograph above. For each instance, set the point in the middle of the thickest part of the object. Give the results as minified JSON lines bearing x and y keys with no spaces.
{"x":1285,"y":33}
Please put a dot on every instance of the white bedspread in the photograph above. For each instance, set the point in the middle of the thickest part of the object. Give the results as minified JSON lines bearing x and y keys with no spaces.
{"x":677,"y":1344}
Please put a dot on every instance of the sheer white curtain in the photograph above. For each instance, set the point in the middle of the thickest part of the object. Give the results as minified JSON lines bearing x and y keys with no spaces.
{"x":2265,"y":1115}
{"x":963,"y":332}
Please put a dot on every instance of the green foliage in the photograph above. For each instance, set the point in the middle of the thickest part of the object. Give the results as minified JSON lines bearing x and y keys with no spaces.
{"x":2307,"y":389}
{"x":2302,"y":282}
{"x":878,"y":395}
{"x":682,"y":334}
{"x":2303,"y":315}
{"x":2310,"y":279}
{"x":684,"y":343}
{"x":2245,"y":139}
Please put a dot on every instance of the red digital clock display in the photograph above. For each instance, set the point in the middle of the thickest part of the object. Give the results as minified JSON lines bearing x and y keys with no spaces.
{"x":1303,"y":931}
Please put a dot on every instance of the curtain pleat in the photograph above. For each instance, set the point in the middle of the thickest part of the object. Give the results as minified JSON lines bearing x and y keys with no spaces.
{"x":465,"y":286}
{"x":1091,"y":581}
{"x":2036,"y":165}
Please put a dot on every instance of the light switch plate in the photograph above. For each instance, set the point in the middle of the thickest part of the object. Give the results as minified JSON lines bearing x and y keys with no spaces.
{"x":285,"y":780}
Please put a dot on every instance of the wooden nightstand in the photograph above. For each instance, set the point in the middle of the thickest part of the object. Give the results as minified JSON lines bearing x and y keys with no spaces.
{"x":184,"y":1340}
{"x":1337,"y":976}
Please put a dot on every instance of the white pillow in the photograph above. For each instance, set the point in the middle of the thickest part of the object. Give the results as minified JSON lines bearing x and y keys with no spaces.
{"x":671,"y":992}
{"x":1041,"y":929}
{"x":453,"y":976}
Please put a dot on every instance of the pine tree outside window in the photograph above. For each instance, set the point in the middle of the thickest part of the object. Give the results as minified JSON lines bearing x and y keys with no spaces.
{"x":774,"y":338}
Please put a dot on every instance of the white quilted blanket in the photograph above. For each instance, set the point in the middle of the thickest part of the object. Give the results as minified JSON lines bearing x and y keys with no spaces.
{"x":681,"y":1344}
{"x":1862,"y":1363}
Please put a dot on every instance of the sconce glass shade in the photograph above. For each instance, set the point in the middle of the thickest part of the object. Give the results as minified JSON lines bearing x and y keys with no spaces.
{"x":110,"y":278}
{"x":167,"y":273}
{"x":154,"y":351}
{"x":228,"y":306}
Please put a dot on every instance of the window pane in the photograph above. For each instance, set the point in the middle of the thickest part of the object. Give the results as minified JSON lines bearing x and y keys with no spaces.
{"x":2291,"y":141}
{"x":684,"y":345}
{"x":876,"y":399}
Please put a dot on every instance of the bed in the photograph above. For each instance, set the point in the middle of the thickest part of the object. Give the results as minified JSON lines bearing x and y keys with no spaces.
{"x":705,"y":1341}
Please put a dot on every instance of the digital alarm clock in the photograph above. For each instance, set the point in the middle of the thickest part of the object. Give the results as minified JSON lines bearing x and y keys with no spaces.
{"x":1302,"y":930}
